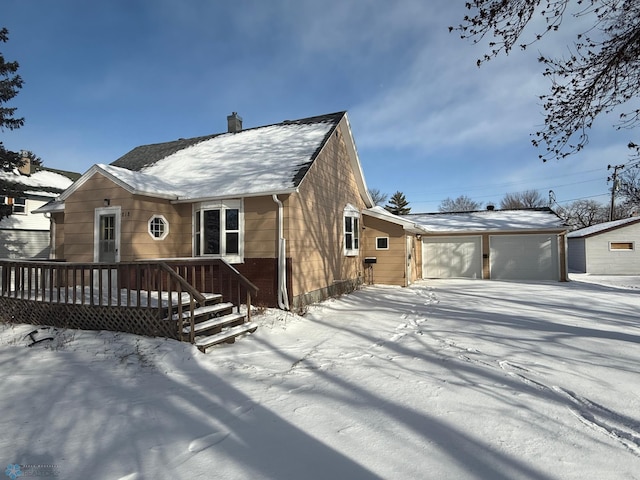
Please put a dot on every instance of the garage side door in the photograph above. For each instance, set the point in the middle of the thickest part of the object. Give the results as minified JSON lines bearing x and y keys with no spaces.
{"x":451,"y":257}
{"x":524,"y":257}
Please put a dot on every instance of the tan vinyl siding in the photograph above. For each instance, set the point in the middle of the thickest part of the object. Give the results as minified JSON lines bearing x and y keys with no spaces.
{"x":260,"y":227}
{"x":57,"y":220}
{"x":136,"y":243}
{"x":314,"y":221}
{"x":390,"y":266}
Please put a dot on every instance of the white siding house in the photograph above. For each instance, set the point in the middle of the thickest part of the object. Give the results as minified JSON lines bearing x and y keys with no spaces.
{"x":610,"y":248}
{"x":23,"y":233}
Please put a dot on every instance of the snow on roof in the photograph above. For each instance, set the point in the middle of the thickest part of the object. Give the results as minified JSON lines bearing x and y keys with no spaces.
{"x":42,"y":182}
{"x":266,"y":159}
{"x":139,"y":182}
{"x":489,"y":220}
{"x":601,"y":227}
{"x":384,"y":214}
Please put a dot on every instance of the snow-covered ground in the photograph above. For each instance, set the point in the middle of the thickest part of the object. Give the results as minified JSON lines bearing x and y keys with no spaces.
{"x":447,"y":379}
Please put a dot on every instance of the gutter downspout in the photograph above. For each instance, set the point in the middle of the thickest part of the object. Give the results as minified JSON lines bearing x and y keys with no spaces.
{"x":283,"y":295}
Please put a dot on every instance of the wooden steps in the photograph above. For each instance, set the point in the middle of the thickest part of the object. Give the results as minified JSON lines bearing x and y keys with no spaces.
{"x":228,"y":336}
{"x":215,"y":322}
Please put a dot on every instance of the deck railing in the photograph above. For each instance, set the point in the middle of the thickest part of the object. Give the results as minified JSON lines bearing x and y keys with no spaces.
{"x":215,"y":275}
{"x":163,"y":292}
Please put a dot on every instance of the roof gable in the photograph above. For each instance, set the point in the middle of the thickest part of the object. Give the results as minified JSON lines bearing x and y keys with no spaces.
{"x":269,"y":159}
{"x":137,"y":183}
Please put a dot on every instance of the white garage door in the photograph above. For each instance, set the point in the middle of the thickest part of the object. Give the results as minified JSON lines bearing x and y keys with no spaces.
{"x":524,"y":257}
{"x":450,"y":257}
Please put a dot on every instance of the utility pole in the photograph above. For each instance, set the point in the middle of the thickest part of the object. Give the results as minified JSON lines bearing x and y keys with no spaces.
{"x":613,"y":178}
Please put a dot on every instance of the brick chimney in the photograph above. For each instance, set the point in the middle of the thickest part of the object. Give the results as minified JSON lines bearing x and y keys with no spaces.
{"x":234,"y":123}
{"x":25,"y":168}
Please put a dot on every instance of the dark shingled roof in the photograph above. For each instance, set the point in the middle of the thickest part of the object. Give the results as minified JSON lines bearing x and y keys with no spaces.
{"x":146,"y":155}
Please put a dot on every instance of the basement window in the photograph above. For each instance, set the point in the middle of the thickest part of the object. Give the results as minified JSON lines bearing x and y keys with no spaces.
{"x":158,"y":227}
{"x":621,"y":246}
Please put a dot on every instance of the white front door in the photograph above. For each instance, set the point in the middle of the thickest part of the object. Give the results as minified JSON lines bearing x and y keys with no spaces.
{"x":106,"y":237}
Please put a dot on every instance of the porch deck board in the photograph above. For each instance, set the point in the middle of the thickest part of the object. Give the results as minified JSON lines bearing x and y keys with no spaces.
{"x":214,"y":322}
{"x":205,"y":342}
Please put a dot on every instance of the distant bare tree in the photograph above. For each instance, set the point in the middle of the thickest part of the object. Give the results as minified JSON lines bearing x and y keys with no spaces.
{"x":584,"y":213}
{"x":526,"y":199}
{"x":377,"y":196}
{"x":629,"y":186}
{"x":460,"y":204}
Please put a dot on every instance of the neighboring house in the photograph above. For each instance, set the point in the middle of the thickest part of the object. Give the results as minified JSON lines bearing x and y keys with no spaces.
{"x":24,"y":234}
{"x":609,"y":248}
{"x":524,"y":244}
{"x":283,"y":203}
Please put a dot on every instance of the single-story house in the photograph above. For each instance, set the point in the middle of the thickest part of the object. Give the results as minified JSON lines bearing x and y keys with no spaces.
{"x":23,"y":233}
{"x":283,"y":203}
{"x":287,"y":205}
{"x":520,"y":244}
{"x":609,"y":248}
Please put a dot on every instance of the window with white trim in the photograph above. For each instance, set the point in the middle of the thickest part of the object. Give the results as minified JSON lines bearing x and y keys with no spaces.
{"x":158,"y":227}
{"x":351,"y":231}
{"x":14,"y":204}
{"x":382,"y":243}
{"x":219,"y":230}
{"x":20,"y":205}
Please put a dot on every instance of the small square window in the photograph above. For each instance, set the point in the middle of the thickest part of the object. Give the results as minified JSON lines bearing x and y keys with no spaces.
{"x":158,"y":227}
{"x":382,"y":243}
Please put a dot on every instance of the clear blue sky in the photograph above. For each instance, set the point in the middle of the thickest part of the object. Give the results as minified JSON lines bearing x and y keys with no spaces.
{"x":104,"y":77}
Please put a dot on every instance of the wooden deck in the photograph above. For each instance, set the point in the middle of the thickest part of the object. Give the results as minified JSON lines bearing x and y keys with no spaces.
{"x":165,"y":298}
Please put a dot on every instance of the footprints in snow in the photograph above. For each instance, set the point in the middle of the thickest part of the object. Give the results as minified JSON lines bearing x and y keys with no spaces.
{"x":598,"y":417}
{"x":202,"y":443}
{"x":623,"y":429}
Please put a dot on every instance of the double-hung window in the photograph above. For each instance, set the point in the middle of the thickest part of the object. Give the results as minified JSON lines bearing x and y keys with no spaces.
{"x":351,"y":231}
{"x":218,"y":230}
{"x":20,"y":205}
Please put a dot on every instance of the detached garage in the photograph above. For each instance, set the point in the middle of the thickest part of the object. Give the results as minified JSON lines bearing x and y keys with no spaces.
{"x":609,"y":248}
{"x":524,"y":244}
